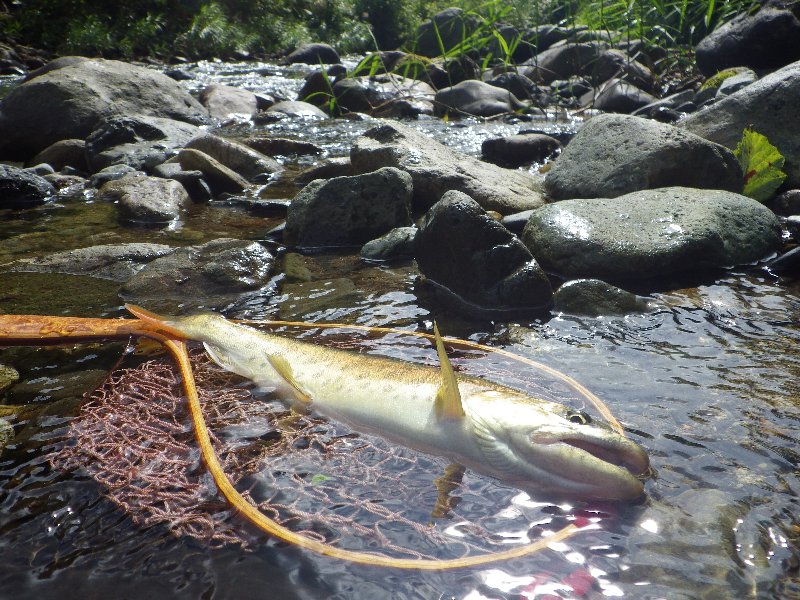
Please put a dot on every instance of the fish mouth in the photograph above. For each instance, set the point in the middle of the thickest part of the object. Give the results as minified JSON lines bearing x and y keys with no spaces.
{"x":621,"y":453}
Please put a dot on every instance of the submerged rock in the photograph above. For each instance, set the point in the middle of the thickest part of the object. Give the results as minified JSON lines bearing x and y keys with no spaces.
{"x":70,"y":99}
{"x":435,"y":169}
{"x":613,"y":155}
{"x":8,"y":377}
{"x":470,"y":254}
{"x":769,"y":106}
{"x":212,"y":275}
{"x":596,"y":298}
{"x":117,"y":262}
{"x":651,"y":233}
{"x":346,"y":211}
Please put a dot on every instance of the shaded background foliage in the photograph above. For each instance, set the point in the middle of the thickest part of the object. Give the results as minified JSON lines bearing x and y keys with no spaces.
{"x":231,"y":28}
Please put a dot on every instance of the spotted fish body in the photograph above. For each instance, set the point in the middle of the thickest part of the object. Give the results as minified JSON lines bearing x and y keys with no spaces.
{"x":527,"y":442}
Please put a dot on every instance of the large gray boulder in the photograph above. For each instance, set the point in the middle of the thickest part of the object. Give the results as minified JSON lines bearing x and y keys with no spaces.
{"x":651,"y":233}
{"x":613,"y":155}
{"x":146,"y":199}
{"x":346,"y":211}
{"x":475,"y":98}
{"x":766,"y":40}
{"x":770,"y":106}
{"x":467,"y":252}
{"x":211,"y":275}
{"x":70,"y":101}
{"x":116,"y":262}
{"x":436,"y":169}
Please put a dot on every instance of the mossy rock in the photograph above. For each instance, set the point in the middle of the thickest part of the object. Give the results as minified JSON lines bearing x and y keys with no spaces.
{"x":715,"y":81}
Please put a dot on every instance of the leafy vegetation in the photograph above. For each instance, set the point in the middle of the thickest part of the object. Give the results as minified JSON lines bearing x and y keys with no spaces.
{"x":225,"y":28}
{"x":761,"y":164}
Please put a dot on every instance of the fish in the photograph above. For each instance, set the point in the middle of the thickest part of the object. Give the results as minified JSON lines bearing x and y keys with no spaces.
{"x":535,"y":445}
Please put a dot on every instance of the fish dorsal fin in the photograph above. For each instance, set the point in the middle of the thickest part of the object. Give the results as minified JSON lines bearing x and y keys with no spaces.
{"x":448,"y":398}
{"x":284,"y":369}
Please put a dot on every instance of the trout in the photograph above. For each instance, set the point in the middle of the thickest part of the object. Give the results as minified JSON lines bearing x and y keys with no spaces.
{"x":535,"y":445}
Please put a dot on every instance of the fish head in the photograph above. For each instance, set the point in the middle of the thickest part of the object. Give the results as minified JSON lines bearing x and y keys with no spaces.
{"x":545,"y":448}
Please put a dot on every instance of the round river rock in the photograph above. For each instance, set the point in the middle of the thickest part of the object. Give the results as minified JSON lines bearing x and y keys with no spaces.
{"x":651,"y":233}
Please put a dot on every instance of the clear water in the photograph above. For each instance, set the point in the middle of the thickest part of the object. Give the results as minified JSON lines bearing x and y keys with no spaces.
{"x":707,"y":383}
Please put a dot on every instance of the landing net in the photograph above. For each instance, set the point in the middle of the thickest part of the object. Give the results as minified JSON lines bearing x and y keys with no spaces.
{"x":352,"y":491}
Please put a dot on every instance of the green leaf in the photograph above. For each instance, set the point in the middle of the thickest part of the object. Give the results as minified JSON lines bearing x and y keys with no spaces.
{"x":319,"y":478}
{"x":761,"y":164}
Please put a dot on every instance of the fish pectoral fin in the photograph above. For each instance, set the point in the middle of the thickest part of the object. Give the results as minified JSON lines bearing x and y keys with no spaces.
{"x":284,"y":369}
{"x":448,"y":397}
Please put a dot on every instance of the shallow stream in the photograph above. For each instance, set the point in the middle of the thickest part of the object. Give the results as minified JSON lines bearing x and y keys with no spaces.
{"x":708,"y":383}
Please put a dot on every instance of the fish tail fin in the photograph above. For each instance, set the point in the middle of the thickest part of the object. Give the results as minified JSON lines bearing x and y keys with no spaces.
{"x":155,"y":323}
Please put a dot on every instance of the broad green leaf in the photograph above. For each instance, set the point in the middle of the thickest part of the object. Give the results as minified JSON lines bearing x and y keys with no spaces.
{"x":319,"y":478}
{"x":761,"y":164}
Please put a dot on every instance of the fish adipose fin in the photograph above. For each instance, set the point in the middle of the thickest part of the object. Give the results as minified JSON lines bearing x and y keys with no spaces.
{"x":448,"y":398}
{"x":281,"y":365}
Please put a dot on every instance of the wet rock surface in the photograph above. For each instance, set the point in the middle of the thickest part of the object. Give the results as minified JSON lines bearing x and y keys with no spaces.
{"x":346,"y":211}
{"x":596,"y":298}
{"x":435,"y":169}
{"x":651,"y":234}
{"x":212,"y":275}
{"x":20,"y":188}
{"x":464,"y":250}
{"x":117,"y":262}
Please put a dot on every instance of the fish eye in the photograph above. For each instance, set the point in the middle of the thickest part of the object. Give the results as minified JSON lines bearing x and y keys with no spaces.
{"x":579,"y":417}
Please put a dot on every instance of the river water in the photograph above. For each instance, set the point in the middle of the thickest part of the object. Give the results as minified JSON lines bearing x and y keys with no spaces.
{"x":707,"y":382}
